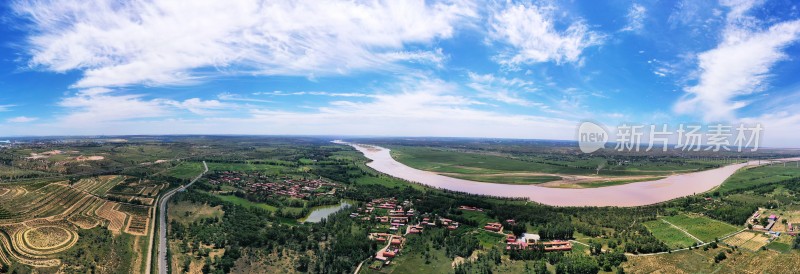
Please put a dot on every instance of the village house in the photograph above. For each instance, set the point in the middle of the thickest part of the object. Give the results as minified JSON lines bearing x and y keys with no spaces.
{"x":389,"y":254}
{"x":551,"y":246}
{"x":792,"y":228}
{"x":469,"y":208}
{"x":452,"y":226}
{"x":511,"y":238}
{"x":495,"y":227}
{"x":397,"y":241}
{"x":415,"y":229}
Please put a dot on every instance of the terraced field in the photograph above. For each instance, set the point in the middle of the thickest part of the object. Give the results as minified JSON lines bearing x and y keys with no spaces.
{"x":115,"y":218}
{"x":37,"y":242}
{"x":99,"y":185}
{"x":139,"y":218}
{"x":40,"y":220}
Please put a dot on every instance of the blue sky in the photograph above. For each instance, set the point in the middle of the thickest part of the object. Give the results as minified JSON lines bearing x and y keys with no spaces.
{"x":517,"y":69}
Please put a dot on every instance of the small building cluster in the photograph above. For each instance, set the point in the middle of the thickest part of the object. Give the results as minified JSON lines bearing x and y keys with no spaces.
{"x":470,"y":208}
{"x":494,"y":227}
{"x":530,"y":241}
{"x":771,"y":220}
{"x":792,"y":228}
{"x":266,"y":186}
{"x":393,"y":221}
{"x":393,"y":245}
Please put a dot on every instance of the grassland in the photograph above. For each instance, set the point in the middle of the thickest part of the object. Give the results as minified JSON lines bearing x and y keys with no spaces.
{"x":478,"y":216}
{"x":704,"y":228}
{"x":673,"y":237}
{"x":186,"y":212}
{"x":489,"y":239}
{"x":780,"y":247}
{"x":415,"y":262}
{"x":755,"y":176}
{"x":526,"y":169}
{"x":248,"y":166}
{"x":186,"y":170}
{"x":244,"y":202}
{"x":449,"y":161}
{"x":506,"y":179}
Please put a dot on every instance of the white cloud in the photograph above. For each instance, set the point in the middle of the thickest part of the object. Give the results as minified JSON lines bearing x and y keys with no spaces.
{"x":163,"y":42}
{"x":502,"y":89}
{"x":315,"y":93}
{"x":199,"y":106}
{"x":531,"y":33}
{"x":739,"y":66}
{"x":21,"y":119}
{"x":636,"y":15}
{"x":414,"y":106}
{"x":98,"y":105}
{"x":101,"y":105}
{"x":4,"y":108}
{"x":780,"y":127}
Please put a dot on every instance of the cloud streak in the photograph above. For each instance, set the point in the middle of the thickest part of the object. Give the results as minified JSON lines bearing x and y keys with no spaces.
{"x":739,"y":66}
{"x":21,"y":119}
{"x":636,"y":16}
{"x":162,"y":42}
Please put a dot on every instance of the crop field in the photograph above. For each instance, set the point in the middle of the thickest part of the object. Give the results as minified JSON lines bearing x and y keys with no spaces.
{"x":752,"y":241}
{"x":780,"y":247}
{"x":673,"y":237}
{"x":704,"y":228}
{"x":699,"y":261}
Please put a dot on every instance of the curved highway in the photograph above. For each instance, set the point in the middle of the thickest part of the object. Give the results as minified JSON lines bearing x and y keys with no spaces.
{"x":162,"y":224}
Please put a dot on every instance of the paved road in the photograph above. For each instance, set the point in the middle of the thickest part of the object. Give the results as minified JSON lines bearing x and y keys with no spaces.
{"x":162,"y":223}
{"x":687,"y":248}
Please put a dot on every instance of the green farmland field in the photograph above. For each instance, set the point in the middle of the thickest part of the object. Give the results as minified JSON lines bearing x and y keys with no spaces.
{"x":702,"y":227}
{"x":668,"y":234}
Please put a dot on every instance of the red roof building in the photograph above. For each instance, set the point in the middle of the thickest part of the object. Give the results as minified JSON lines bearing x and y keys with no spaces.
{"x":496,"y":227}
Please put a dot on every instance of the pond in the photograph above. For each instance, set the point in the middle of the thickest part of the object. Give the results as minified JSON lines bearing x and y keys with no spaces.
{"x":321,"y":212}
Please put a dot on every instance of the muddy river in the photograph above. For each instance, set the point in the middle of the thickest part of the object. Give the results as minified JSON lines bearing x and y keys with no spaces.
{"x":633,"y":194}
